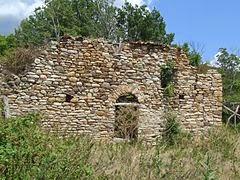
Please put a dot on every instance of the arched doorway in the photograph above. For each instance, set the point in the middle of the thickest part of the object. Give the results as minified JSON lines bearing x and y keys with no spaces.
{"x":126,"y":117}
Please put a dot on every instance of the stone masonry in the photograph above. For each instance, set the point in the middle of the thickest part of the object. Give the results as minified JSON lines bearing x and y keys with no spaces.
{"x":75,"y":84}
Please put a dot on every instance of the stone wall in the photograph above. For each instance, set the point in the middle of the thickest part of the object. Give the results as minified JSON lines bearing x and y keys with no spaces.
{"x":75,"y":84}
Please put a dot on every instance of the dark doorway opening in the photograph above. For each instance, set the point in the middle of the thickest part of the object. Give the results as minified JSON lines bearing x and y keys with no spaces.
{"x":126,"y":117}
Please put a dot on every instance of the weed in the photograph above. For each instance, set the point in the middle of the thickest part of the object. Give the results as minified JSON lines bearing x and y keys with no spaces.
{"x":28,"y":152}
{"x":208,"y":171}
{"x":167,"y":73}
{"x":169,"y":90}
{"x":173,"y":129}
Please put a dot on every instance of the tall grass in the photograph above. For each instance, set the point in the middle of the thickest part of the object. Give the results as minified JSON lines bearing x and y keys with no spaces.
{"x":26,"y":152}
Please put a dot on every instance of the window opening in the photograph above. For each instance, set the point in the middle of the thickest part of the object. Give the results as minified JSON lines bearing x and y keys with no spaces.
{"x":181,"y":96}
{"x":68,"y":98}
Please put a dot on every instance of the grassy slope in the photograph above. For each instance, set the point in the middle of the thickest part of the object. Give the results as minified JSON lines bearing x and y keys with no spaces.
{"x":26,"y":153}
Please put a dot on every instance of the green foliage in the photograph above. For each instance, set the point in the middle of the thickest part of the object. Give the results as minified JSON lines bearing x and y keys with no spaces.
{"x":167,"y":75}
{"x":90,"y":18}
{"x":59,"y":17}
{"x":194,"y":55}
{"x":195,"y":58}
{"x":208,"y":172}
{"x":28,"y":153}
{"x":169,"y":90}
{"x":173,"y":129}
{"x":138,"y":23}
{"x":229,"y":65}
{"x":1,"y":108}
{"x":227,"y":61}
{"x":7,"y":43}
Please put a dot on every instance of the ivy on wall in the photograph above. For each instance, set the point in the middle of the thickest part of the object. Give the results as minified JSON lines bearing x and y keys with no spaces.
{"x":167,"y":76}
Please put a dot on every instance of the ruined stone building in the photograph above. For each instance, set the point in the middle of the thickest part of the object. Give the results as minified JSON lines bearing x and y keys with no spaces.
{"x":79,"y":86}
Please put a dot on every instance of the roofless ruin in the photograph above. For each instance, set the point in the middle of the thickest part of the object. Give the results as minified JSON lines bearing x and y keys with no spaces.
{"x":115,"y":90}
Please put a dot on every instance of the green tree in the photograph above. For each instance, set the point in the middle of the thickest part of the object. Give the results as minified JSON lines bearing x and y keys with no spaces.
{"x":48,"y":22}
{"x":87,"y":18}
{"x":3,"y":45}
{"x":92,"y":18}
{"x":106,"y":18}
{"x":229,"y":67}
{"x":138,"y":23}
{"x":7,"y":43}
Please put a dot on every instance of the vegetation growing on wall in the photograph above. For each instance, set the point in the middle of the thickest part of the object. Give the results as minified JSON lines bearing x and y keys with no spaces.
{"x":203,"y":68}
{"x":194,"y":53}
{"x":17,"y":60}
{"x":167,"y":76}
{"x":173,"y":130}
{"x":7,"y":43}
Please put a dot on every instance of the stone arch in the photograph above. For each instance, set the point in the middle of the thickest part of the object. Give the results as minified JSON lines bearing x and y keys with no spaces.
{"x":126,"y":89}
{"x":127,"y":98}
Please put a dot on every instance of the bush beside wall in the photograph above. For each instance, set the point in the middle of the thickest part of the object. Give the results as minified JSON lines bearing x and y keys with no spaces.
{"x":26,"y":152}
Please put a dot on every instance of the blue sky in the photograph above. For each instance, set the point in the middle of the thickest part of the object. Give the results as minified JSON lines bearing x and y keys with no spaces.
{"x":210,"y":23}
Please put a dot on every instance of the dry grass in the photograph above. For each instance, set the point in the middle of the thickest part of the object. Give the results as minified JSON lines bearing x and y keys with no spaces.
{"x":26,"y":152}
{"x":215,"y":158}
{"x":18,"y":60}
{"x":126,"y":122}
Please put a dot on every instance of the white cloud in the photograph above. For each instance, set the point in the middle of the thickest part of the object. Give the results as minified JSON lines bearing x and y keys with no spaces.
{"x":18,"y":8}
{"x":119,"y":3}
{"x":23,"y":8}
{"x":213,"y":62}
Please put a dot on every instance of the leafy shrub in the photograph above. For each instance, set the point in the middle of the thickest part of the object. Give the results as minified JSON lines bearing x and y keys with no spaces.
{"x":167,"y":76}
{"x":169,"y":90}
{"x":195,"y":58}
{"x":26,"y":152}
{"x":7,"y":43}
{"x":167,"y":73}
{"x":194,"y":53}
{"x":173,"y":129}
